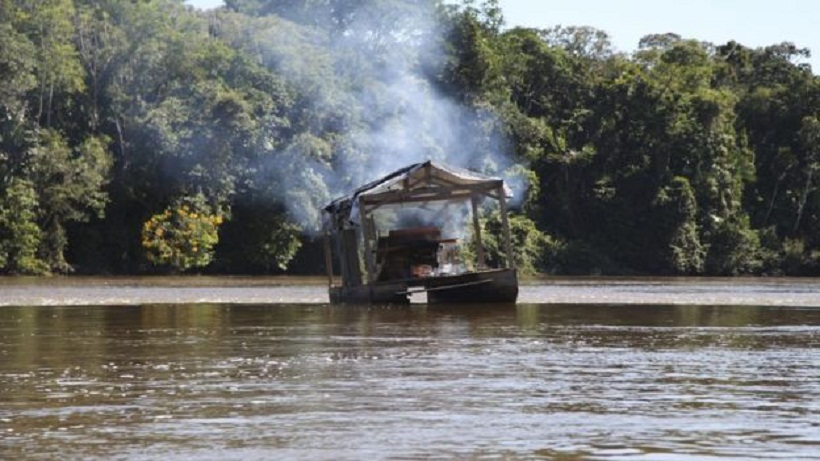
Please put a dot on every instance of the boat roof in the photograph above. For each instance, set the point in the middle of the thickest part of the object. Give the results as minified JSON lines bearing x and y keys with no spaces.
{"x":418,"y":183}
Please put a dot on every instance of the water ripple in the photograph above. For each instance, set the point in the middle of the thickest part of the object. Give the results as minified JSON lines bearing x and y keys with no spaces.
{"x":536,"y":381}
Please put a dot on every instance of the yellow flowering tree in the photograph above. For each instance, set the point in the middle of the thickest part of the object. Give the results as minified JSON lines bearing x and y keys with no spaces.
{"x":183,"y":236}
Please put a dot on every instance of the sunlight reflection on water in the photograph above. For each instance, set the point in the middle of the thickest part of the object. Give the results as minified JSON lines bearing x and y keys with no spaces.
{"x":75,"y":291}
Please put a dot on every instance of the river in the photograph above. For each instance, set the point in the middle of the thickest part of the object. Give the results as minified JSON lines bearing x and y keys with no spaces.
{"x":244,"y":368}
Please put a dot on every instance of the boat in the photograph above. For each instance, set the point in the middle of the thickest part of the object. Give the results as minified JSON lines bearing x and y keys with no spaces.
{"x":418,"y":231}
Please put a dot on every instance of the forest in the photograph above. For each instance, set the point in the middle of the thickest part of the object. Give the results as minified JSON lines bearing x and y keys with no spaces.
{"x":150,"y":137}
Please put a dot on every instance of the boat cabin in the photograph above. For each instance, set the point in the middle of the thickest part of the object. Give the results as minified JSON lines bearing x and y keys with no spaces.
{"x":417,"y":230}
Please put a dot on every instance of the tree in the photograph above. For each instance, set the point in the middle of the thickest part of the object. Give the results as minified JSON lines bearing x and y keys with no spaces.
{"x":532,"y":248}
{"x":20,"y":236}
{"x":809,"y":135}
{"x":473,"y":69}
{"x":580,"y":41}
{"x":101,"y":48}
{"x":260,"y":237}
{"x":679,"y":236}
{"x":58,"y":70}
{"x":69,"y":184}
{"x":17,"y":67}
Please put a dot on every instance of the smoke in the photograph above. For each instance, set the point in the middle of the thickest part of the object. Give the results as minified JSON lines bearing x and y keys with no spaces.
{"x":452,"y":219}
{"x":369,"y":105}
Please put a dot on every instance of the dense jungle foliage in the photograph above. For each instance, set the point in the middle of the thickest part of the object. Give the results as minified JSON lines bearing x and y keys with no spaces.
{"x":146,"y":136}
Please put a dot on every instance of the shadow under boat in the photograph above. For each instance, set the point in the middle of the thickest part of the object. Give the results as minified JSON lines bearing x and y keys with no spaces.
{"x":417,"y":230}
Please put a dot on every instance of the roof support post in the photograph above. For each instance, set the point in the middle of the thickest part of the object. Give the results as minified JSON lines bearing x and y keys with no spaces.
{"x":481,"y":263}
{"x":348,"y":245}
{"x":505,"y":223}
{"x":328,"y":258}
{"x":367,"y":233}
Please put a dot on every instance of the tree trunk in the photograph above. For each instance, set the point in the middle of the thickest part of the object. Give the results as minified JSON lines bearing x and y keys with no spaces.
{"x":774,"y":197}
{"x":50,"y":103}
{"x":803,"y":199}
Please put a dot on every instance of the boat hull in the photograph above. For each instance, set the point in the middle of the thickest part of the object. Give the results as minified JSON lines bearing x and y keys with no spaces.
{"x":379,"y":293}
{"x":493,"y":286}
{"x":497,"y":286}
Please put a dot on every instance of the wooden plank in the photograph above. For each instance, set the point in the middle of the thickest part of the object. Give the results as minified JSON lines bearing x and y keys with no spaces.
{"x":447,"y":287}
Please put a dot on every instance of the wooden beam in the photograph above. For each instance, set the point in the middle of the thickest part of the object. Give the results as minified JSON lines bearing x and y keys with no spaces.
{"x":328,"y":259}
{"x":365,"y":220}
{"x":505,"y":222}
{"x":443,"y":287}
{"x":349,"y":258}
{"x":481,"y":262}
{"x":424,"y":195}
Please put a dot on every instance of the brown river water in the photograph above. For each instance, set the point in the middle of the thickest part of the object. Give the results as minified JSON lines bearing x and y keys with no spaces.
{"x":254,"y":368}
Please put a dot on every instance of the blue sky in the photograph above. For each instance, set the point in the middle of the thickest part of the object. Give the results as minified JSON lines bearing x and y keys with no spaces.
{"x":752,"y":23}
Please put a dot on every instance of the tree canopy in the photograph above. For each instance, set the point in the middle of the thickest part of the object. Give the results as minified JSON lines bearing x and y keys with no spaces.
{"x":150,"y":136}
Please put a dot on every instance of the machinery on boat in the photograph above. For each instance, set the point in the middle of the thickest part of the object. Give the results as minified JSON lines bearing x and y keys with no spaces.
{"x":417,"y":230}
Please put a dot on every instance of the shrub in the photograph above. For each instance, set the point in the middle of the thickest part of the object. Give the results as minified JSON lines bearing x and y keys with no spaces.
{"x":183,"y":236}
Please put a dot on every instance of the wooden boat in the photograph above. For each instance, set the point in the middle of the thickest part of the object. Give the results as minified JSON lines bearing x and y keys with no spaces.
{"x":410,"y":231}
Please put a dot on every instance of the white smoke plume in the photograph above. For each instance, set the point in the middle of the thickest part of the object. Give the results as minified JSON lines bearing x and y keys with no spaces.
{"x":376,"y":109}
